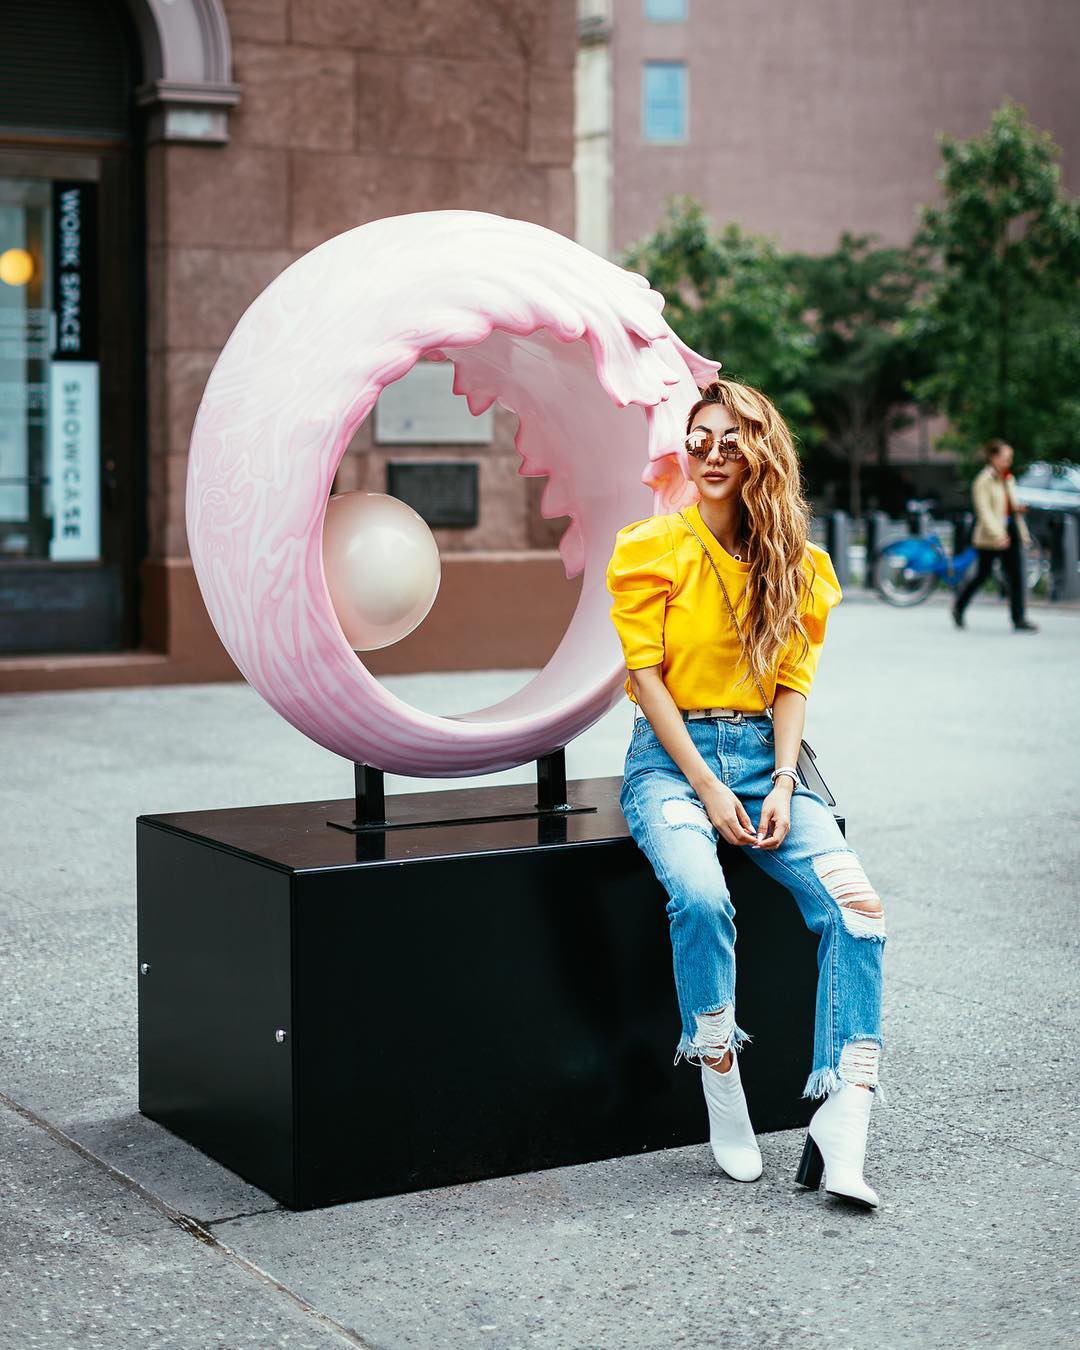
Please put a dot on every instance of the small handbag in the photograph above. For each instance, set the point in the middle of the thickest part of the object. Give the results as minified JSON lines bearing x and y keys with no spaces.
{"x":806,"y":765}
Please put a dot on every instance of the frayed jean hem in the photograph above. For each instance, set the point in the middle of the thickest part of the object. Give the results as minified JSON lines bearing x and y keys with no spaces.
{"x":693,"y":1053}
{"x":825,"y":1080}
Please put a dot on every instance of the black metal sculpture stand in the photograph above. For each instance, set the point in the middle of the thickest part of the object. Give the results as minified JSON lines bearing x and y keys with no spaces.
{"x":371,"y":814}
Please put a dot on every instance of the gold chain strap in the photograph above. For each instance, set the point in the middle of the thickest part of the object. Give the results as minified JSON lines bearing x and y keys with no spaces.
{"x":807,"y":771}
{"x":731,"y":609}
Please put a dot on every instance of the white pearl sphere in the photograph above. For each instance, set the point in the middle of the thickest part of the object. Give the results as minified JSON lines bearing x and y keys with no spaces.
{"x":382,"y":567}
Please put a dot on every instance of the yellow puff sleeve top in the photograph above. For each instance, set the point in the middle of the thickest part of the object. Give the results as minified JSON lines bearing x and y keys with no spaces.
{"x":669,"y":611}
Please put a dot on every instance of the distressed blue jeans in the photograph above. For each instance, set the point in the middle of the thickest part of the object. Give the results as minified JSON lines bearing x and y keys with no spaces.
{"x":815,"y":863}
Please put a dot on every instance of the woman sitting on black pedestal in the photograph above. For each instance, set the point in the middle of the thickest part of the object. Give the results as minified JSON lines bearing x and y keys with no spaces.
{"x":721,"y":610}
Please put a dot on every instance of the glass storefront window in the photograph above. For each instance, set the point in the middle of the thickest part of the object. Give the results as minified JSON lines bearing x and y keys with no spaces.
{"x":25,"y":269}
{"x":49,"y":419}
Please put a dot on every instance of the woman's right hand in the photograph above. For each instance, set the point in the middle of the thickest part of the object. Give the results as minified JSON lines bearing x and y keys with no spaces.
{"x":727,"y":813}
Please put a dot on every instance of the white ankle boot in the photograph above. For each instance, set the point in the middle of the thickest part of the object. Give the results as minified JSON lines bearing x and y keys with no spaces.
{"x":730,"y":1132}
{"x":836,"y":1142}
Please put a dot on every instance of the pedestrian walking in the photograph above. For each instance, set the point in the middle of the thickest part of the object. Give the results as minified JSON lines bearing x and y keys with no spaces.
{"x":1000,"y":536}
{"x":721,"y":610}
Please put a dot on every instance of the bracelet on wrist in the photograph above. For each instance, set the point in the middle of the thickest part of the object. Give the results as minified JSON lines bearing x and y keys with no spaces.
{"x":786,"y":772}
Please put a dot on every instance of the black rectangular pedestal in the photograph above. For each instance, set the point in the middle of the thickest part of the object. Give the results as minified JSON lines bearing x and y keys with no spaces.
{"x":336,"y":1017}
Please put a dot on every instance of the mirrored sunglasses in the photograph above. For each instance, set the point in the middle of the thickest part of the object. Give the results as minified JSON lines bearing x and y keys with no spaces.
{"x":701,"y":441}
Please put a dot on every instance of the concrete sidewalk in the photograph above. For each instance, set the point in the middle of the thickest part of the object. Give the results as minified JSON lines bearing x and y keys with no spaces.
{"x":953,"y":756}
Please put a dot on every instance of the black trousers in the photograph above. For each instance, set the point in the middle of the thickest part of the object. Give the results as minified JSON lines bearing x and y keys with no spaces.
{"x":1012,"y":562}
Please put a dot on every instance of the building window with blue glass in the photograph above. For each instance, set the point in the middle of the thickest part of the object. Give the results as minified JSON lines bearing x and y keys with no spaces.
{"x":664,"y":101}
{"x":665,"y":11}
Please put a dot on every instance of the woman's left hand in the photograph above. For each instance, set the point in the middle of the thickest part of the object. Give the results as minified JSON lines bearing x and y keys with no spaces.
{"x":775,"y":820}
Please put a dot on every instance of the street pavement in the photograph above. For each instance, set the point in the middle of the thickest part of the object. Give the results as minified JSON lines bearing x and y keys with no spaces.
{"x":954,"y":758}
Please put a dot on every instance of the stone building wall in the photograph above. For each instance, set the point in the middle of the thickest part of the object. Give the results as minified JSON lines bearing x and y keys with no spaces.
{"x":350,"y":110}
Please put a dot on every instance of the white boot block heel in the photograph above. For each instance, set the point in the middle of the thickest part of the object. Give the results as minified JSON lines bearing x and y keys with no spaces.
{"x":838,"y":1138}
{"x":730,"y":1132}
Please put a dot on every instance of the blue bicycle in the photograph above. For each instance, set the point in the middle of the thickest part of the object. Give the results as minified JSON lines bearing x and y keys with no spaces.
{"x":907,"y":571}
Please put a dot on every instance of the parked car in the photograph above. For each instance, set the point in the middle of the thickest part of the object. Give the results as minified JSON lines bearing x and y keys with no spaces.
{"x":1050,"y":487}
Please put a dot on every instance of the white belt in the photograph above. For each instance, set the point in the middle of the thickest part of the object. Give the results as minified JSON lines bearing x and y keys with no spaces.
{"x":692,"y":714}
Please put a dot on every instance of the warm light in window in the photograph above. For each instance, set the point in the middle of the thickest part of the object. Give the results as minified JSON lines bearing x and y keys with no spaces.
{"x":16,"y":266}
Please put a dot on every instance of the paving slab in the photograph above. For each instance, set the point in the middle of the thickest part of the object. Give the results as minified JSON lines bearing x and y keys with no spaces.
{"x":86,"y":1262}
{"x":660,"y":1250}
{"x":75,"y":968}
{"x":1006,"y":1083}
{"x":85,"y":1083}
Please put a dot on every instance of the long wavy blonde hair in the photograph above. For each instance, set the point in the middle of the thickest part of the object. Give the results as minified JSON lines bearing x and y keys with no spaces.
{"x":776,"y":522}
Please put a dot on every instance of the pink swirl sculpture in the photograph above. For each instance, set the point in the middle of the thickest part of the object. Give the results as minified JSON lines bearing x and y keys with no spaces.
{"x":574,"y":345}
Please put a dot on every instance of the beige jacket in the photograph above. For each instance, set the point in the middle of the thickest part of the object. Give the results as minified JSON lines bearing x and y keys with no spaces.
{"x":992,"y":497}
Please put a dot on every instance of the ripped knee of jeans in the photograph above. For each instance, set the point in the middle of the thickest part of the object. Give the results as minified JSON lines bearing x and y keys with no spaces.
{"x":860,"y":905}
{"x":680,"y":812}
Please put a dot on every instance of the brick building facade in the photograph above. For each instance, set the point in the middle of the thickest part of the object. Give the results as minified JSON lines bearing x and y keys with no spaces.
{"x":264,"y":127}
{"x":801,"y":120}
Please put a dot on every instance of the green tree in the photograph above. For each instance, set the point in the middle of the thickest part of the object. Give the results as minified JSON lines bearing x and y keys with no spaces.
{"x":858,"y":301}
{"x":825,"y":337}
{"x":1002,"y":318}
{"x":732,"y":296}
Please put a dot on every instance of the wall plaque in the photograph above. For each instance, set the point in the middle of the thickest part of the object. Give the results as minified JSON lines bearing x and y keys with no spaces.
{"x":444,"y":493}
{"x":421,"y":409}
